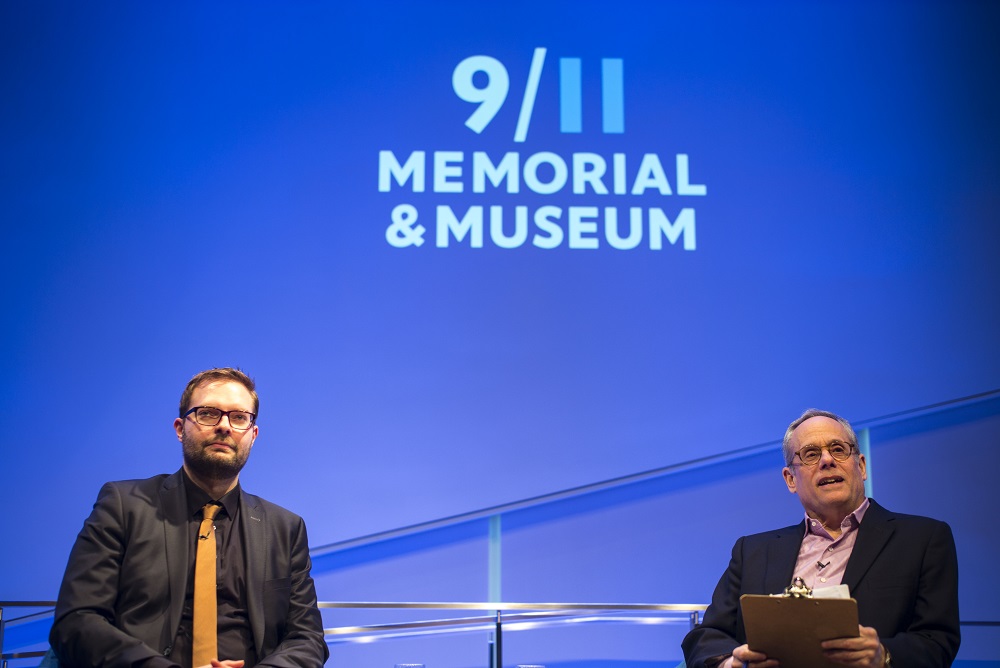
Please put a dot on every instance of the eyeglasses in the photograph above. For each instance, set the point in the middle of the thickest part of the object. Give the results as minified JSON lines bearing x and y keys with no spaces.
{"x":811,"y":454}
{"x":210,"y":416}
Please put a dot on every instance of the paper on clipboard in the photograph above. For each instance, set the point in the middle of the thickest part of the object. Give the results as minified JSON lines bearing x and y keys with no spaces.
{"x":790,"y":629}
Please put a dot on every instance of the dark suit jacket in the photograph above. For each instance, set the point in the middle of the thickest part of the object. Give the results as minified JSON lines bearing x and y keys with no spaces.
{"x":121,"y":597}
{"x":903,"y":572}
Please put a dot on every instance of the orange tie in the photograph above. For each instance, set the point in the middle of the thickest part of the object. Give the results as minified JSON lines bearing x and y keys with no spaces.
{"x":205,"y":630}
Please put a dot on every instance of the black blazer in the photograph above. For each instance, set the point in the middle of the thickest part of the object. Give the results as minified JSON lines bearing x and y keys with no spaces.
{"x":121,"y":597}
{"x":903,"y":572}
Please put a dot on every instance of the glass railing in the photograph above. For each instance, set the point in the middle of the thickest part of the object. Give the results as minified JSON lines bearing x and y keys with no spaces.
{"x":24,"y":624}
{"x":26,"y":632}
{"x":495,"y":620}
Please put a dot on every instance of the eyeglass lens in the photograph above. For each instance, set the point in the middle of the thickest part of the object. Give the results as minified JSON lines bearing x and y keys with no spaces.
{"x":209,"y":417}
{"x":812,"y":454}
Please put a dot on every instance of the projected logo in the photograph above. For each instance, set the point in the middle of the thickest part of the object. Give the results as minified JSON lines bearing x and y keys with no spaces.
{"x":493,"y":93}
{"x":609,"y":194}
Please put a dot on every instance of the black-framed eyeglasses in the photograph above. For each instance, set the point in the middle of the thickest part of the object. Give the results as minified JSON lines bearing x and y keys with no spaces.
{"x":811,"y":454}
{"x":210,"y":416}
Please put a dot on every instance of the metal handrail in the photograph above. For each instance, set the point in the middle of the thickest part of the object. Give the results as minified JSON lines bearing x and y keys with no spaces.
{"x":535,"y":613}
{"x":497,"y":605}
{"x":5,"y":657}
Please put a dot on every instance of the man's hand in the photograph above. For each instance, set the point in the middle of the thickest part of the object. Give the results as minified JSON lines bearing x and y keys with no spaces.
{"x":744,"y":657}
{"x":865,"y":651}
{"x":227,"y":663}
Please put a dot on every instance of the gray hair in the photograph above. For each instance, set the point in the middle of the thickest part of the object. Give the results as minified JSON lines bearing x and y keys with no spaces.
{"x":786,"y":443}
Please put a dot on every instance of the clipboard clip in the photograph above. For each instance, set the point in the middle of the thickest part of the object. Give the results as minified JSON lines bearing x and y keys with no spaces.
{"x":798,"y":589}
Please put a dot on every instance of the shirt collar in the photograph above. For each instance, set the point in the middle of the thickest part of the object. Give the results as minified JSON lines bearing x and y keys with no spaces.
{"x":197,"y":498}
{"x":849,"y":523}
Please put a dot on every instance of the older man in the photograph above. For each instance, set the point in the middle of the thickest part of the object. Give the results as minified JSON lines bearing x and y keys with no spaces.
{"x":902,"y":569}
{"x":128,"y":596}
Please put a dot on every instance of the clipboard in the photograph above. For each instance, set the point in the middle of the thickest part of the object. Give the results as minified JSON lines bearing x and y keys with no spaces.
{"x":791,"y":628}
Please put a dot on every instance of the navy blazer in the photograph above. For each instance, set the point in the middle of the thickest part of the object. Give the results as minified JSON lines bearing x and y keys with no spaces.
{"x":121,"y":597}
{"x":903,"y":573}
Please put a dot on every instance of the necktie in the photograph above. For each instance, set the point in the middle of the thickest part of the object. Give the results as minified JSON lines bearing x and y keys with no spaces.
{"x":205,"y":630}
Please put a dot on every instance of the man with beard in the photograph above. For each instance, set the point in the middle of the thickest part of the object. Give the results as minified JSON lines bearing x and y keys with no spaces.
{"x":127,"y":597}
{"x":901,"y":569}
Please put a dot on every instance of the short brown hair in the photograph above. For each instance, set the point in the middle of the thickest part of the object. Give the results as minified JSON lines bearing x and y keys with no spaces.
{"x":217,"y":375}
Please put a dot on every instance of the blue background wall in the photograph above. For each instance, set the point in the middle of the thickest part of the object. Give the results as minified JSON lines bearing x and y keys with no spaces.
{"x":193,"y":185}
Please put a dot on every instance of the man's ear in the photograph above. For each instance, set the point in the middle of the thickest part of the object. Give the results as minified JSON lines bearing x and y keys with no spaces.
{"x":789,"y":479}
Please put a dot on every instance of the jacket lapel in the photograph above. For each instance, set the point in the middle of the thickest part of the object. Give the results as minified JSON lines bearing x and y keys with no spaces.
{"x":873,"y":534}
{"x":173,"y":506}
{"x":252,"y":520}
{"x":782,"y":553}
